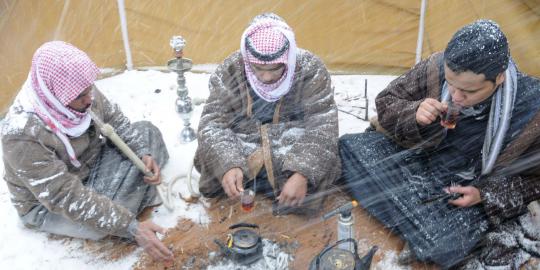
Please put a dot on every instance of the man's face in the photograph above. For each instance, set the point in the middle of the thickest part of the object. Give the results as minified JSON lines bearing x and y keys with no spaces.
{"x":468,"y":88}
{"x":83,"y":101}
{"x":269,"y":73}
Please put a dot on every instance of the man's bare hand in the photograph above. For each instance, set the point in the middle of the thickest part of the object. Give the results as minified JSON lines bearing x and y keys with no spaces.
{"x":232,"y":182}
{"x":471,"y":196}
{"x":151,"y":166}
{"x":294,"y":191}
{"x":429,"y":110}
{"x":145,"y":235}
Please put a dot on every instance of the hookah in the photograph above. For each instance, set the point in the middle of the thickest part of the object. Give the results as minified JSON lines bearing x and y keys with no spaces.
{"x":184,"y":107}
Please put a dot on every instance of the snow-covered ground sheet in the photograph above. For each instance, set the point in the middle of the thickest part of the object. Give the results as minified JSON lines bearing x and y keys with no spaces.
{"x":150,"y":95}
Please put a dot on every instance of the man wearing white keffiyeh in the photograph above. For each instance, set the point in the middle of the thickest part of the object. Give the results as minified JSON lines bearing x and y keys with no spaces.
{"x":442,"y":189}
{"x":270,"y":122}
{"x":64,"y":179}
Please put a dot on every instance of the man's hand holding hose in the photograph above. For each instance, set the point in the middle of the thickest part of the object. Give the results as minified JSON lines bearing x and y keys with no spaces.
{"x":151,"y":166}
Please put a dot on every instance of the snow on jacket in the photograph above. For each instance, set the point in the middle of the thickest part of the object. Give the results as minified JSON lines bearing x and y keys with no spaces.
{"x":38,"y":170}
{"x":304,"y":140}
{"x":502,"y":196}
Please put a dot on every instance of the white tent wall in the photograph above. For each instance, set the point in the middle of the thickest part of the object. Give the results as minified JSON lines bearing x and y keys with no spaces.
{"x":354,"y":36}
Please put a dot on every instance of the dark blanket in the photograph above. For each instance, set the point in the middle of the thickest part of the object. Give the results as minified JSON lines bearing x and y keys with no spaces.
{"x":392,"y":183}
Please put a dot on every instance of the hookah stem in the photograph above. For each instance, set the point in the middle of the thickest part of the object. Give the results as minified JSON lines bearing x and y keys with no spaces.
{"x":110,"y":133}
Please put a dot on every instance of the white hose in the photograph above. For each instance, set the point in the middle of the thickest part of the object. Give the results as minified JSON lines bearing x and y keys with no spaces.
{"x":165,"y":191}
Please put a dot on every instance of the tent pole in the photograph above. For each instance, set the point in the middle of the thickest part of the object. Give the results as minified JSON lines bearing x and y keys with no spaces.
{"x":61,"y":22}
{"x":123,"y":24}
{"x":420,"y":40}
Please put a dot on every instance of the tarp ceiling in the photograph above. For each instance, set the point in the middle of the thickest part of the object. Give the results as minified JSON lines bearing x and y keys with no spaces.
{"x":355,"y":36}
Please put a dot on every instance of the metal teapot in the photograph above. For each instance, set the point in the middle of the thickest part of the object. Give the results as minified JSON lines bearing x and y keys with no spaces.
{"x":244,"y":246}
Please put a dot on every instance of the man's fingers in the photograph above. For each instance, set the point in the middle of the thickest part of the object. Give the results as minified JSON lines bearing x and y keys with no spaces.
{"x":426,"y":119}
{"x":284,"y":199}
{"x":147,"y":163}
{"x":435,"y":104}
{"x":230,"y":188}
{"x":458,"y":189}
{"x":163,"y":251}
{"x":431,"y":111}
{"x":294,"y":202}
{"x":238,"y":181}
{"x":151,"y":166}
{"x":461,"y":202}
{"x":301,"y":201}
{"x":226,"y":188}
{"x":158,"y":254}
{"x":281,"y":198}
{"x":153,"y":253}
{"x":157,"y":228}
{"x":156,"y":247}
{"x":157,"y":171}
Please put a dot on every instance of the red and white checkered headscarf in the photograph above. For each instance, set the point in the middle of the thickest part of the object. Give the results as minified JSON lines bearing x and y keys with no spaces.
{"x":60,"y":72}
{"x":274,"y":42}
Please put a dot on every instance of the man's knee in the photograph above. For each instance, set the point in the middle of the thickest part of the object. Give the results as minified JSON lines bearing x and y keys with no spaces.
{"x":210,"y":188}
{"x":346,"y":139}
{"x":146,"y":126}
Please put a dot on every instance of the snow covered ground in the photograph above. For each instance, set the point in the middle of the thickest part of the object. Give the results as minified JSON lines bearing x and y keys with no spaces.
{"x":150,"y":95}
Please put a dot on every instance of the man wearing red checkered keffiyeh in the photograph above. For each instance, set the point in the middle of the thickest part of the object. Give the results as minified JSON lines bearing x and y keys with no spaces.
{"x":270,"y":122}
{"x":62,"y":175}
{"x":59,"y":74}
{"x":269,"y":41}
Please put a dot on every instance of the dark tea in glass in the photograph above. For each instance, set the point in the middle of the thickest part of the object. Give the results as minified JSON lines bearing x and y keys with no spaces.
{"x":450,"y":116}
{"x":247,"y":199}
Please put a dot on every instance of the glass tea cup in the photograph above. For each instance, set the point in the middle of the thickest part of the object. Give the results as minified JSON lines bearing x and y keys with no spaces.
{"x":450,"y":116}
{"x":247,"y":199}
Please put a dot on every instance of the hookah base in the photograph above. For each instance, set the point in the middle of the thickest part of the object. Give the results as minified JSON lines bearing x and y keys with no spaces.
{"x":187,"y":135}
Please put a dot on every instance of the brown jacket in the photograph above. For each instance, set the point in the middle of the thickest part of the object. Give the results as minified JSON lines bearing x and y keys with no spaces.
{"x":38,"y":170}
{"x":303,"y":137}
{"x":503,"y":196}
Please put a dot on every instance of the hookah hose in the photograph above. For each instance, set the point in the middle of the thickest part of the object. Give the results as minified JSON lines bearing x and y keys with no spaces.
{"x":164,"y":191}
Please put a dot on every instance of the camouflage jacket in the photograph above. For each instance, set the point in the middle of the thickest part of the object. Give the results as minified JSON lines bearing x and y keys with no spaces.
{"x":303,"y":136}
{"x":38,"y":170}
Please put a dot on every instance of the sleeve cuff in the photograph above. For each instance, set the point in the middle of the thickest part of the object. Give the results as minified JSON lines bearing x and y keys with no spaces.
{"x":132,"y":229}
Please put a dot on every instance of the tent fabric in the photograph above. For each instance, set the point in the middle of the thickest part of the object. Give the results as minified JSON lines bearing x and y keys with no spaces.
{"x":352,"y":36}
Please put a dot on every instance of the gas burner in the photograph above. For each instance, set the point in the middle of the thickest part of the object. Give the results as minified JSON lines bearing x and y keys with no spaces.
{"x":244,"y":246}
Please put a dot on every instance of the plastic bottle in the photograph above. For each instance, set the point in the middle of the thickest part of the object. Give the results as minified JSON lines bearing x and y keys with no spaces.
{"x":345,"y":230}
